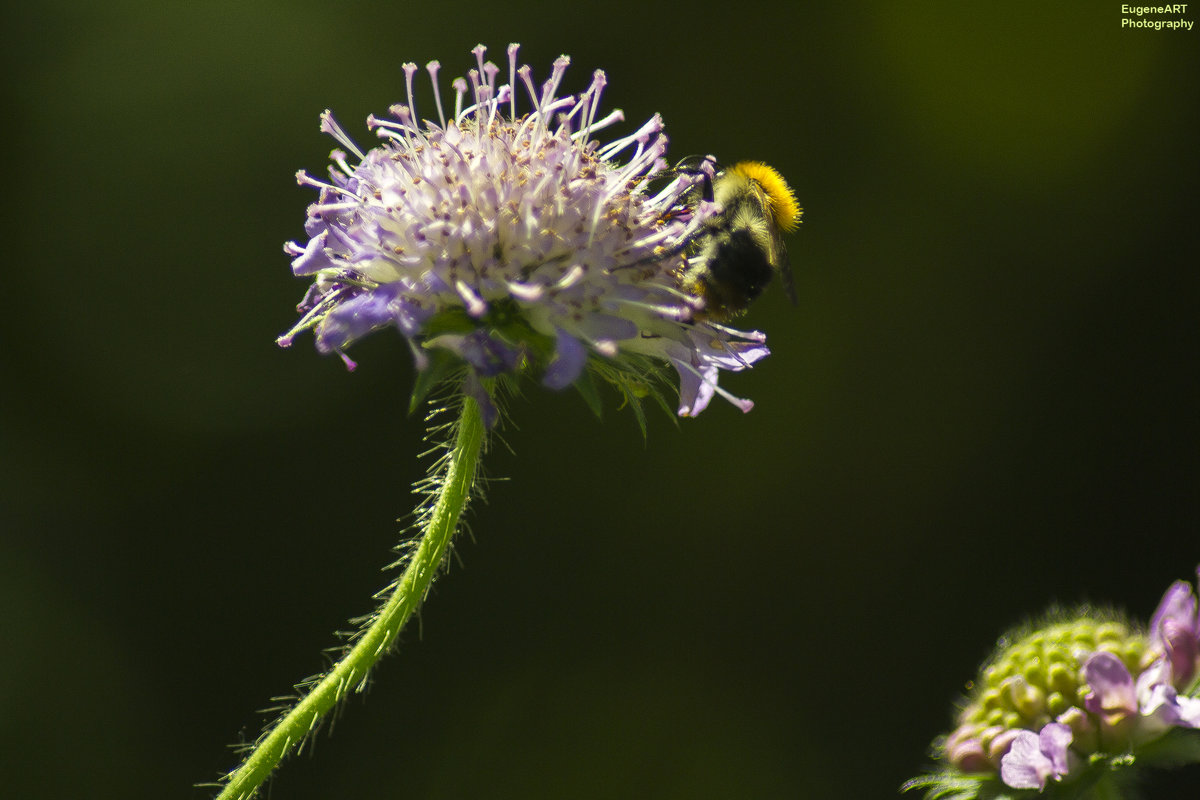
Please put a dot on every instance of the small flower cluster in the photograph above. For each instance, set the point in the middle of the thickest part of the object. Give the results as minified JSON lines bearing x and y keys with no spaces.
{"x":1074,"y":693}
{"x":514,"y":243}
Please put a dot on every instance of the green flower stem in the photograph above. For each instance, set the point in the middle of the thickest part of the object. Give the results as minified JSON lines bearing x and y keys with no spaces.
{"x":453,"y":490}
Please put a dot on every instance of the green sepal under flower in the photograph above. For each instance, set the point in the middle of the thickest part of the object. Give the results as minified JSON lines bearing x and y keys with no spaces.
{"x":590,"y":393}
{"x":441,"y":368}
{"x":1104,"y":781}
{"x":636,"y":378}
{"x":506,"y":337}
{"x":952,"y":785}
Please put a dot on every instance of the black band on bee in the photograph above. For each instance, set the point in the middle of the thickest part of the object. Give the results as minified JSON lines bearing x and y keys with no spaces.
{"x":738,"y":271}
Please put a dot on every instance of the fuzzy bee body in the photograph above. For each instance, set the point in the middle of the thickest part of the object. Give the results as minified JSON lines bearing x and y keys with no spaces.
{"x":741,"y":247}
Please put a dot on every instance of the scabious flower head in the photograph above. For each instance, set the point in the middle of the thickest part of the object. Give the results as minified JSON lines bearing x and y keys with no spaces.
{"x":1093,"y":689}
{"x":514,"y":242}
{"x":1034,"y":681}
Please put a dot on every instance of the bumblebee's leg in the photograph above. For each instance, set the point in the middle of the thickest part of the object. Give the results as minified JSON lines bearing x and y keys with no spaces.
{"x":699,"y":165}
{"x":691,"y":165}
{"x":682,"y":246}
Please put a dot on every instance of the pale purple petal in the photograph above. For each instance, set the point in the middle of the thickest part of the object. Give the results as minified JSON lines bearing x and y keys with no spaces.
{"x":1001,"y":741}
{"x":699,"y":362}
{"x":488,"y":355}
{"x":1179,"y":604}
{"x":1189,"y":711}
{"x":1084,"y":734}
{"x":410,"y":318}
{"x":1036,"y":757}
{"x":1025,"y":766}
{"x":1160,"y":705}
{"x":1164,"y":708}
{"x":1175,"y":631}
{"x":313,"y":258}
{"x":695,"y":392}
{"x":569,"y":358}
{"x":420,"y":357}
{"x":964,"y":749}
{"x":1054,"y":740}
{"x":354,"y":318}
{"x":1151,"y":676}
{"x":607,"y":327}
{"x":729,"y":354}
{"x":1183,"y":649}
{"x":1113,"y":694}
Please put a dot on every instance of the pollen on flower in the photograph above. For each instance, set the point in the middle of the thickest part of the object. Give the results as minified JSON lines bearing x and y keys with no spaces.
{"x":512,"y":241}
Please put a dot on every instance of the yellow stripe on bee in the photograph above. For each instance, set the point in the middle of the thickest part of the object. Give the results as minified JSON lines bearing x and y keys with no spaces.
{"x":780,"y":197}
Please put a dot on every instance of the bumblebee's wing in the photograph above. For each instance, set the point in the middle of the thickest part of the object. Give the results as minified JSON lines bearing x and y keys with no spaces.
{"x":785,"y":269}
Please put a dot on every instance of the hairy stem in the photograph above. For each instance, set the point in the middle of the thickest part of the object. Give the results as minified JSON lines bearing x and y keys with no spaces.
{"x":449,"y":498}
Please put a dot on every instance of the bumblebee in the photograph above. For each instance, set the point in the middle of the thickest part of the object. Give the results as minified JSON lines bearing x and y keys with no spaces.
{"x":733,"y":257}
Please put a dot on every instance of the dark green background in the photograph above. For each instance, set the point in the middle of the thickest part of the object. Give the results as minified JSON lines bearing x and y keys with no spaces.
{"x":985,"y":402}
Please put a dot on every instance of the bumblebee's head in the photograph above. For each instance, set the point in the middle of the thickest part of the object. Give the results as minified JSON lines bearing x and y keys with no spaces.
{"x":780,"y":199}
